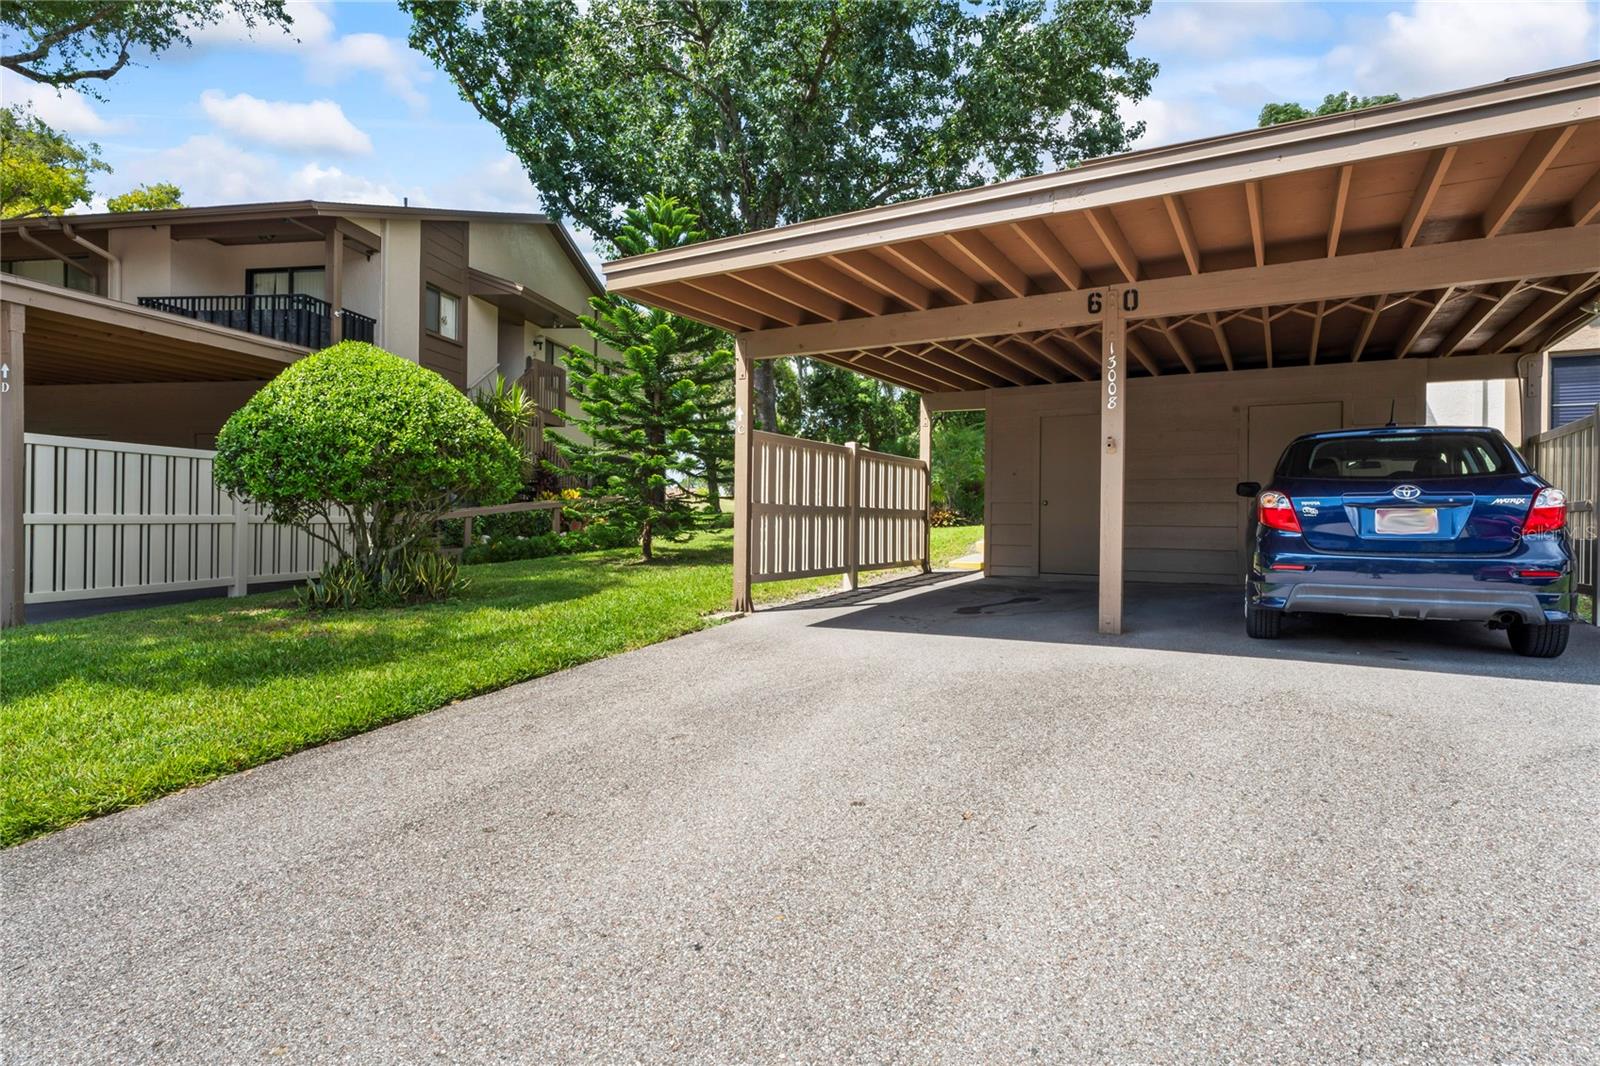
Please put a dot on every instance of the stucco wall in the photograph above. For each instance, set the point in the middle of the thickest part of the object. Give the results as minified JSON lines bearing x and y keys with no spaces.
{"x":531,"y":256}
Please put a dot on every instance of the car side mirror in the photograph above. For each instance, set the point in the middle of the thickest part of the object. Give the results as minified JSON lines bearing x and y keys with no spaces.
{"x":1247,"y":489}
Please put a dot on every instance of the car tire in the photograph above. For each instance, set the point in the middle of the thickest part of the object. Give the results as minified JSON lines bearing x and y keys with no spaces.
{"x":1538,"y":642}
{"x":1262,"y":623}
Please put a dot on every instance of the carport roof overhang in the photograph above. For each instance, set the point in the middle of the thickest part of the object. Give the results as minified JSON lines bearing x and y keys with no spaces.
{"x":77,"y":338}
{"x":1439,"y":227}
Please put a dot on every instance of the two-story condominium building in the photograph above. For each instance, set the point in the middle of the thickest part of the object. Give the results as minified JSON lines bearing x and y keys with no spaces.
{"x":154,"y":327}
{"x":149,"y":329}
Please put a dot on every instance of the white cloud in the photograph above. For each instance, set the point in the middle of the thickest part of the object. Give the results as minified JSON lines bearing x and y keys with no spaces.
{"x":212,"y":170}
{"x":358,"y":54}
{"x":318,"y":125}
{"x":311,"y":28}
{"x":500,"y":185}
{"x":1438,"y":46}
{"x":1167,"y":120}
{"x":68,"y":111}
{"x":327,"y":57}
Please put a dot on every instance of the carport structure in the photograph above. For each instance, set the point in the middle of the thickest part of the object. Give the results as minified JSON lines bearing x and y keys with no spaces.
{"x":1155,"y":303}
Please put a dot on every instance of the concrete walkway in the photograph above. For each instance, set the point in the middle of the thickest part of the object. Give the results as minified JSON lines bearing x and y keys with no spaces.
{"x":948,"y":824}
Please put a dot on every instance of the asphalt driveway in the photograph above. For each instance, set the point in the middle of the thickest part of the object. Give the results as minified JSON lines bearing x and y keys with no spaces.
{"x":943,"y":823}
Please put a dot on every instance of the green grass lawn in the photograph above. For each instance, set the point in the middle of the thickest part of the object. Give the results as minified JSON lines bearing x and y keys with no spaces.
{"x":98,"y":714}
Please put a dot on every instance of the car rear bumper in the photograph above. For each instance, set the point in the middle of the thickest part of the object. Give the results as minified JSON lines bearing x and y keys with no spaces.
{"x":1456,"y":588}
{"x":1457,"y":605}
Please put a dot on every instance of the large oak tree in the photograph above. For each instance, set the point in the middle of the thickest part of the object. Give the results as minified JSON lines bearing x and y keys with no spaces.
{"x":762,"y":113}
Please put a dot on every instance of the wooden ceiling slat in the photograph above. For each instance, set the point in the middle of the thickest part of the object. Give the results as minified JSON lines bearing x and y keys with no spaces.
{"x":1052,"y":353}
{"x":1433,"y":176}
{"x":742,"y":294}
{"x":1542,"y":149}
{"x":1175,"y":341}
{"x":884,"y":371}
{"x":837,"y":284}
{"x":1047,"y":246}
{"x":677,"y":307}
{"x":726,"y":310}
{"x":1138,"y":351}
{"x":1373,"y":314}
{"x":798,"y":293}
{"x":1027,"y":362}
{"x":1116,"y":243}
{"x":925,"y":262}
{"x":883,"y":277}
{"x":981,"y":252}
{"x":1341,"y":199}
{"x":1474,"y":317}
{"x":1541,"y":310}
{"x":1586,"y":204}
{"x":960,"y":371}
{"x":1003,"y":370}
{"x":1420,"y":321}
{"x":1178,"y":214}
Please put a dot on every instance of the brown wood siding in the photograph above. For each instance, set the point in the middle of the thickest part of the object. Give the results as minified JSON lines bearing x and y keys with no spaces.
{"x":444,"y":266}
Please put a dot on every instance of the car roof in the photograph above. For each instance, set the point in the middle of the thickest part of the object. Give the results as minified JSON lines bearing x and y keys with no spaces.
{"x":1389,"y":431}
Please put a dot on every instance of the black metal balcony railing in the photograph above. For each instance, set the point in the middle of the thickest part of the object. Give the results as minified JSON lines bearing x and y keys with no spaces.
{"x":297,"y":319}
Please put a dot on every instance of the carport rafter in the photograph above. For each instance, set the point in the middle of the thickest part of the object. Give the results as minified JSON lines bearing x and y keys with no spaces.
{"x":1542,"y":253}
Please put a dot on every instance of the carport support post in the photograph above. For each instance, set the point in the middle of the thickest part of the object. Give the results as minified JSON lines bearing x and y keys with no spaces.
{"x":1113,"y":453}
{"x":13,"y":468}
{"x":852,"y":515}
{"x":743,"y":455}
{"x":925,"y":453}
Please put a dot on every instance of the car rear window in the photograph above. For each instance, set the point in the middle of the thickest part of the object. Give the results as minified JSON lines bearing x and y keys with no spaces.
{"x":1398,"y":455}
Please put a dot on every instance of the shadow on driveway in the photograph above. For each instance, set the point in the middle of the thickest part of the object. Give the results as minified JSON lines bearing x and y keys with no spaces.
{"x":1202,"y":619}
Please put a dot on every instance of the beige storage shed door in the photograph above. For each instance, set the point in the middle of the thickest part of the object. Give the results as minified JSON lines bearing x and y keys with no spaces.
{"x":1273,"y":426}
{"x":1069,"y":494}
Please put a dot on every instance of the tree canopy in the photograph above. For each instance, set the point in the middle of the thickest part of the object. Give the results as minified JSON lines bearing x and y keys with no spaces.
{"x":1332,"y":104}
{"x":762,"y":113}
{"x":80,"y":42}
{"x":160,"y":196}
{"x":42,"y":171}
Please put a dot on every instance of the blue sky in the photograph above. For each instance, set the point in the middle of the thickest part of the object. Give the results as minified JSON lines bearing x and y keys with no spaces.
{"x":349,"y":112}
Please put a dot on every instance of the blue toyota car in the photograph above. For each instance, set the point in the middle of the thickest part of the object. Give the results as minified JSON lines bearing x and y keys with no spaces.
{"x":1403,"y":522}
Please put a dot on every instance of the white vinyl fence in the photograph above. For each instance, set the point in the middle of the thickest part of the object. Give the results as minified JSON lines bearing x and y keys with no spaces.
{"x":820,"y":508}
{"x":104,"y":518}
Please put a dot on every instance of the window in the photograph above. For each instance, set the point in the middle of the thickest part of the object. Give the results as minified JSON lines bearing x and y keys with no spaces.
{"x":1574,"y":388}
{"x":441,"y":313}
{"x":51,"y":272}
{"x":275,"y":281}
{"x":1411,"y":455}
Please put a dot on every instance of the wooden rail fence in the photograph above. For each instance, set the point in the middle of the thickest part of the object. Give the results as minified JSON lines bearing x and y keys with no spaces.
{"x":819,"y":509}
{"x":1569,"y":458}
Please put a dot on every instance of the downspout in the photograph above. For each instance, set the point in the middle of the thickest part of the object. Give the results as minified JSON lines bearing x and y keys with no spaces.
{"x":22,"y":231}
{"x":113,"y":275}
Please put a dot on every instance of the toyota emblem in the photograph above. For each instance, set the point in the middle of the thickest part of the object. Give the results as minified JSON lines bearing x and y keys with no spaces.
{"x":1407,"y":492}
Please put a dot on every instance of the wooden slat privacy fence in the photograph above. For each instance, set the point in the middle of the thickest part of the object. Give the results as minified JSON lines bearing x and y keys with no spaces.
{"x":819,"y":508}
{"x":1569,"y":458}
{"x":106,"y":518}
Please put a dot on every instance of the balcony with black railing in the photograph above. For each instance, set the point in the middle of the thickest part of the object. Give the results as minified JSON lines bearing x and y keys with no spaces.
{"x":297,"y":319}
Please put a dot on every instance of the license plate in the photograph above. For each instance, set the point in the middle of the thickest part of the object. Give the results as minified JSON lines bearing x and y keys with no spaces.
{"x":1406,"y":520}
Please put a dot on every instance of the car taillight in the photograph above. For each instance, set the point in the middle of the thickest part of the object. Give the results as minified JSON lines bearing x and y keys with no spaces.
{"x":1277,"y":512}
{"x":1548,"y":513}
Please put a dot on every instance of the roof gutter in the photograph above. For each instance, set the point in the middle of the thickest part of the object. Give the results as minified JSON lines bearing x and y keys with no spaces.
{"x":113,"y":275}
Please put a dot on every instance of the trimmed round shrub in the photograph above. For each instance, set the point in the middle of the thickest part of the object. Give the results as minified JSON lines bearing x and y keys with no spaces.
{"x":359,"y":440}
